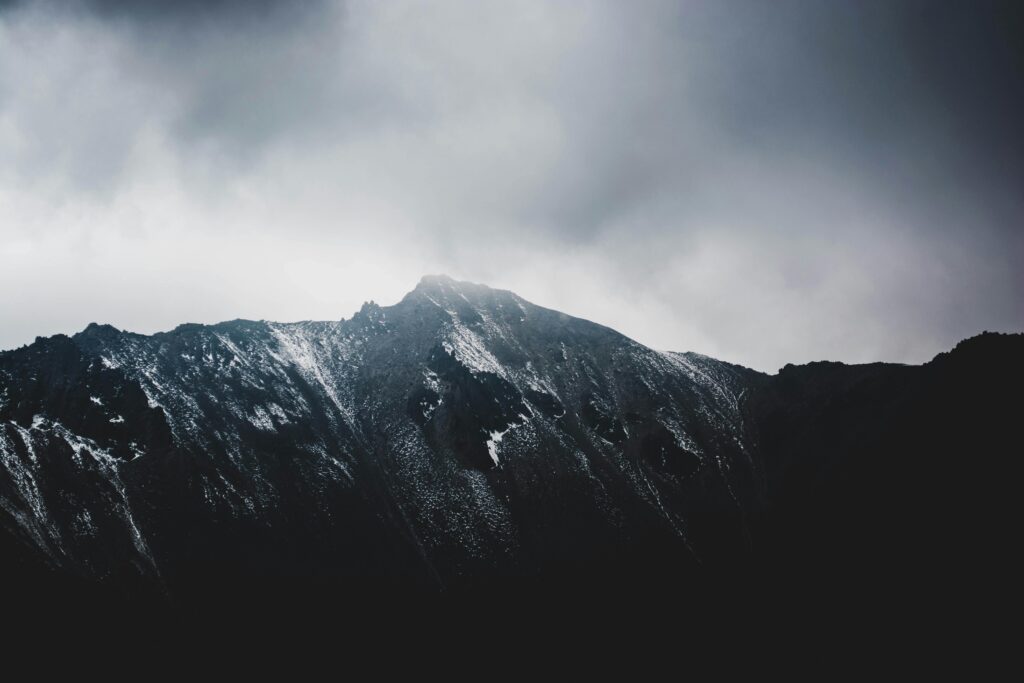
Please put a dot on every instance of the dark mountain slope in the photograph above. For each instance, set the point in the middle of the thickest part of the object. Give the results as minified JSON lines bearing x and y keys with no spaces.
{"x":467,"y":440}
{"x":894,"y":483}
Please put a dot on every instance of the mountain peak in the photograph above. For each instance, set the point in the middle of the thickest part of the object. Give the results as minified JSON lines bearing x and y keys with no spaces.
{"x":99,"y":331}
{"x":440,"y":288}
{"x":436,"y":280}
{"x":463,"y":437}
{"x":445,"y":285}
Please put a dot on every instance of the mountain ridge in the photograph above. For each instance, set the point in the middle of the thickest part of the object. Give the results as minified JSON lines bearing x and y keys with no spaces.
{"x":460,"y":437}
{"x":430,"y":283}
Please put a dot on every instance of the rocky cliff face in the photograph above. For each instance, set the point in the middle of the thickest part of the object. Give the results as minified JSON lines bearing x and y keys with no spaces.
{"x":462,"y":437}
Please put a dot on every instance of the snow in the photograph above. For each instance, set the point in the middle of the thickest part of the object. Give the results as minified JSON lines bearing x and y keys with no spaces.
{"x":261,"y":419}
{"x":34,"y":520}
{"x":495,"y":437}
{"x":110,"y":467}
{"x":469,"y":349}
{"x":318,"y":354}
{"x":278,"y":412}
{"x":432,"y":381}
{"x":493,"y":442}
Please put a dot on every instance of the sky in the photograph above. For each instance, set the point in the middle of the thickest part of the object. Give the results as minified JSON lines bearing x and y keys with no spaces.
{"x":763,"y":182}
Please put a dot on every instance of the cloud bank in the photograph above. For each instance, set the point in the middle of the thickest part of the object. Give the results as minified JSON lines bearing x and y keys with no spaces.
{"x":761,"y":182}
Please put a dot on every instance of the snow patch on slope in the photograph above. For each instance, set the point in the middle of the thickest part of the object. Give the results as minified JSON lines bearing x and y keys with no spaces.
{"x":467,"y":347}
{"x":494,"y":438}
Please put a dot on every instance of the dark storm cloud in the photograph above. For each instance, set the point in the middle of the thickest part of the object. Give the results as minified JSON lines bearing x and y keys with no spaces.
{"x":905,"y":91}
{"x":224,"y":77}
{"x":165,"y":9}
{"x":830,"y":179}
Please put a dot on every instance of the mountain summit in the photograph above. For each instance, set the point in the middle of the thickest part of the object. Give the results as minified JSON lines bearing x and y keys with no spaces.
{"x":464,"y":437}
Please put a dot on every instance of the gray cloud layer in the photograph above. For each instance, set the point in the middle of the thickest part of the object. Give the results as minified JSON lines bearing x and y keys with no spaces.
{"x":764,"y":182}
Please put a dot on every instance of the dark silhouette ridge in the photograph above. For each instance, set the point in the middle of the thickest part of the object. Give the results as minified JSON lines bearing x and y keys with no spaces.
{"x":465,"y":443}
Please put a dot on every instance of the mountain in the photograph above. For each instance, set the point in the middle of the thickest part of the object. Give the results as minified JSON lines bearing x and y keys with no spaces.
{"x":467,"y":442}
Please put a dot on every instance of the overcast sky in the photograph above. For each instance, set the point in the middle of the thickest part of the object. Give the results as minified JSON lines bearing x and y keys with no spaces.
{"x":764,"y":182}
